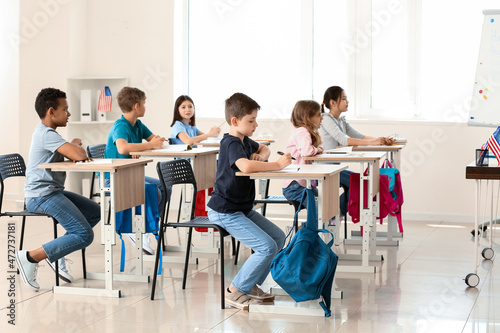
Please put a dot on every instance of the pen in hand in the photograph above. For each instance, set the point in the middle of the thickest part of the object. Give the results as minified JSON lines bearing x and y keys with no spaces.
{"x":282,"y":153}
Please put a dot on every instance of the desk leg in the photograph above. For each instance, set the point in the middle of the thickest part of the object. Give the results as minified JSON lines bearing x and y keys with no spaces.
{"x":367,"y":220}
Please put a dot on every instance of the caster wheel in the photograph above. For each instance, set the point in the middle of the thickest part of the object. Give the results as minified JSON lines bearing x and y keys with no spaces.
{"x":472,"y":280}
{"x":473,"y":232}
{"x":488,"y":253}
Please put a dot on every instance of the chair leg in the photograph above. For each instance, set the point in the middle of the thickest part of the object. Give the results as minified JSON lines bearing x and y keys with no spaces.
{"x":84,"y":264}
{"x":57,"y":263}
{"x":222,"y":290}
{"x":157,"y":263}
{"x":233,"y":245}
{"x":237,"y":252}
{"x":188,"y":250}
{"x":22,"y":233}
{"x":22,"y":236}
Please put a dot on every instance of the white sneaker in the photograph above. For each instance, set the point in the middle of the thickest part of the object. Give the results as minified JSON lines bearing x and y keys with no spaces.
{"x":27,"y":270}
{"x":146,"y":247}
{"x":63,"y":270}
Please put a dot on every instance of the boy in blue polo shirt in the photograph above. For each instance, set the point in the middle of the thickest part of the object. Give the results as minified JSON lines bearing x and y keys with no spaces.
{"x":232,"y":201}
{"x":127,"y":135}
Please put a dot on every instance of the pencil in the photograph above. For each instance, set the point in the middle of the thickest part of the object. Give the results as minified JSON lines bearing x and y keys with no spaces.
{"x":282,"y":153}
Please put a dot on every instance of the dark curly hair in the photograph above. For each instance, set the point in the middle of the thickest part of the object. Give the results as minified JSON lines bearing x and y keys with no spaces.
{"x":48,"y":98}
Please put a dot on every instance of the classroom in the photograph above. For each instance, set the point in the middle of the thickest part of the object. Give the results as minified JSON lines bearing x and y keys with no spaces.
{"x":408,"y":68}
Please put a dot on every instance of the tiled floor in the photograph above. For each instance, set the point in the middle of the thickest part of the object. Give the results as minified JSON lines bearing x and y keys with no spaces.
{"x":419,"y":287}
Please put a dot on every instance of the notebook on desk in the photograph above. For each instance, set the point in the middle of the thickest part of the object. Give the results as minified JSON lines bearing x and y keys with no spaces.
{"x":341,"y":150}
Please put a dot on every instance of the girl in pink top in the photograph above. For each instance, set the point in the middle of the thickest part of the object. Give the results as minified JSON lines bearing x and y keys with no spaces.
{"x":304,"y":141}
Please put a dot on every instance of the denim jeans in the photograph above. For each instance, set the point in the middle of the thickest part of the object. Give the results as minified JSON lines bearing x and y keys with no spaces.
{"x":75,"y":213}
{"x":295,"y":191}
{"x":257,"y":233}
{"x":344,"y":197}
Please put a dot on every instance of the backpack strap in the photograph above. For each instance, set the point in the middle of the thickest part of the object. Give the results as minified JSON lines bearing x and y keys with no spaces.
{"x":122,"y":254}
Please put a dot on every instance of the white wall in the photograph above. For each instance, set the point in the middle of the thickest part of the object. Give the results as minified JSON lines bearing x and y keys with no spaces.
{"x":135,"y":39}
{"x":96,"y":39}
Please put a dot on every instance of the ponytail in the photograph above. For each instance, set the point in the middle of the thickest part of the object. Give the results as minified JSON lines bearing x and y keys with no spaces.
{"x":335,"y":93}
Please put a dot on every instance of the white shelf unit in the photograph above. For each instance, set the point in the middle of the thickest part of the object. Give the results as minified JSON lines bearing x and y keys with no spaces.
{"x":90,"y":132}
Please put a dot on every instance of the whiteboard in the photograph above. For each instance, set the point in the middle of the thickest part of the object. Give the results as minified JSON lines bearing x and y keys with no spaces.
{"x":485,"y":103}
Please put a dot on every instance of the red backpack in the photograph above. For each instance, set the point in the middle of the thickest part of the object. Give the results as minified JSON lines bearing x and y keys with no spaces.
{"x":387,"y":203}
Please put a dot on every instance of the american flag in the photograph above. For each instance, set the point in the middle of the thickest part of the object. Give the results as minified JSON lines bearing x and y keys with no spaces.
{"x":494,"y":144}
{"x":105,"y":100}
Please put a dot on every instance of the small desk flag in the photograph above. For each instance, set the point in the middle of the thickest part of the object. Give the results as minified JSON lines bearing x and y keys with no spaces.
{"x":494,"y":144}
{"x":104,"y":100}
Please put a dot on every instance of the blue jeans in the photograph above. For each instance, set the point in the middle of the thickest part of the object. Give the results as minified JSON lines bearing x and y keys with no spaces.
{"x":344,"y":197}
{"x":295,"y":191}
{"x":257,"y":233}
{"x":75,"y":213}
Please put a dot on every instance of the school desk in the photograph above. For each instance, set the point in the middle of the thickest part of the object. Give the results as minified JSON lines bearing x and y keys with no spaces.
{"x":394,"y":155}
{"x":479,"y":174}
{"x":126,"y":191}
{"x":204,"y":163}
{"x":370,"y":161}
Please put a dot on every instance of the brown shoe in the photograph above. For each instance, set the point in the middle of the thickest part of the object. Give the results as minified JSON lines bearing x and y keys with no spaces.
{"x":240,"y":300}
{"x":261,"y":295}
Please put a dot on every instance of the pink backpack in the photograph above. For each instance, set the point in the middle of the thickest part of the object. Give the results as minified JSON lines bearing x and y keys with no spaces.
{"x":387,"y":204}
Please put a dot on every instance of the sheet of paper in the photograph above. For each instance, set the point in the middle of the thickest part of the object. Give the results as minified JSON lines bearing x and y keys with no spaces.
{"x":100,"y":161}
{"x":289,"y":168}
{"x":342,"y":150}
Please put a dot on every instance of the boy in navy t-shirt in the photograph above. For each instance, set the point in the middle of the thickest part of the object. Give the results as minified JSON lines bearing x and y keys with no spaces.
{"x":232,"y":201}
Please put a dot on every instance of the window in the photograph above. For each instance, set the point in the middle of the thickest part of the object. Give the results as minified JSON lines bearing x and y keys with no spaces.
{"x":403,"y":59}
{"x":256,"y":47}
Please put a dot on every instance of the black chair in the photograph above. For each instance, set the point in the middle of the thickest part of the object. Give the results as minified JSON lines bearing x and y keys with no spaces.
{"x":95,"y":151}
{"x":12,"y":165}
{"x":179,"y":172}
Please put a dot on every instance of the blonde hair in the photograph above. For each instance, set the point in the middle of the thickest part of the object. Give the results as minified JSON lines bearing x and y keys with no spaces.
{"x":302,"y":113}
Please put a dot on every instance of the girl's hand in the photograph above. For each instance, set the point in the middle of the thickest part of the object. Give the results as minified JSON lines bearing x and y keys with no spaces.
{"x":389,"y":141}
{"x":320,"y":151}
{"x":377,"y":141}
{"x":214,"y":132}
{"x":257,"y":157}
{"x":284,"y":160}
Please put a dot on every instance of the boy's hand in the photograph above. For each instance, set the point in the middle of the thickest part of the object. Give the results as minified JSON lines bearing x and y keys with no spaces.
{"x":157,"y":142}
{"x":257,"y":157}
{"x":76,"y":142}
{"x":214,"y":132}
{"x":284,"y":160}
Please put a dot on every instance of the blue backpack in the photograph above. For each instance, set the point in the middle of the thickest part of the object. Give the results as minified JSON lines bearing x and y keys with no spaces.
{"x":124,"y":218}
{"x":306,"y":267}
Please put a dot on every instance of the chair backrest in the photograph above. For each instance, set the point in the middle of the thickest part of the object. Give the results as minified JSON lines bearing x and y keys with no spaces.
{"x":96,"y":151}
{"x":173,"y":173}
{"x":11,"y":165}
